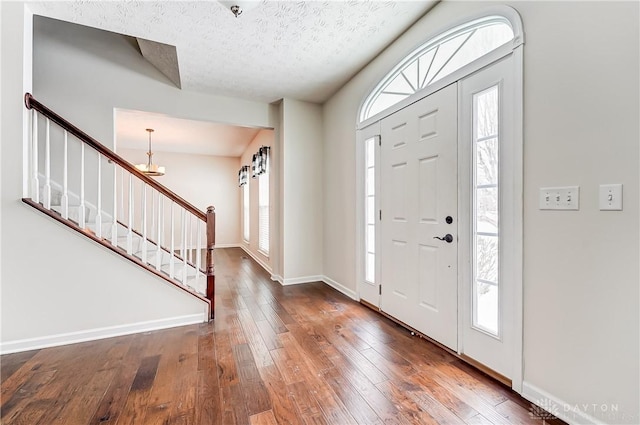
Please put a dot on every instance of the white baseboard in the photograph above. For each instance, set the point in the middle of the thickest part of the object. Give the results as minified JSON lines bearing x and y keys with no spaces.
{"x":570,"y":413}
{"x":256,"y":258}
{"x":99,"y":333}
{"x":340,"y":288}
{"x":302,"y":279}
{"x":228,"y":245}
{"x":319,"y":278}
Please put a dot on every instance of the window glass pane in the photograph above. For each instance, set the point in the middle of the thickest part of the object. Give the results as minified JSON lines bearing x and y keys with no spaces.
{"x":371,"y":215}
{"x":482,"y":41}
{"x":245,"y":212}
{"x":370,"y":268}
{"x":383,"y":101}
{"x":399,"y":85}
{"x":487,"y":162}
{"x":263,"y":213}
{"x":445,"y":51}
{"x":411,"y":73}
{"x":487,"y":210}
{"x":487,"y":258}
{"x":370,"y":151}
{"x":487,"y":113}
{"x":425,"y":63}
{"x":371,"y":238}
{"x":370,"y":211}
{"x":486,"y":289}
{"x":487,"y":307}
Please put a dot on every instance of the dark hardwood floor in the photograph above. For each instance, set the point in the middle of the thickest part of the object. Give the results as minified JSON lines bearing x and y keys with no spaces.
{"x":302,"y":354}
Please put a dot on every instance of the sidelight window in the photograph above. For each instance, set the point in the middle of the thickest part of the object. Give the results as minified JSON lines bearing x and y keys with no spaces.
{"x":486,"y":235}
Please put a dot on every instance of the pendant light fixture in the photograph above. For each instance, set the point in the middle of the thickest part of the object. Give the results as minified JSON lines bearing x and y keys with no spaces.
{"x":150,"y":169}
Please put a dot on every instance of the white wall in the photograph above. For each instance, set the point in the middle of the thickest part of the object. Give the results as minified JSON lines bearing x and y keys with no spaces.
{"x":302,"y":196}
{"x":57,"y":286}
{"x":202,"y":180}
{"x":581,"y":276}
{"x":101,"y":71}
{"x":263,"y":138}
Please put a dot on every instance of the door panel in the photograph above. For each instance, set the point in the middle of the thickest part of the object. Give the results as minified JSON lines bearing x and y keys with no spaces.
{"x":419,"y":190}
{"x":488,"y":287}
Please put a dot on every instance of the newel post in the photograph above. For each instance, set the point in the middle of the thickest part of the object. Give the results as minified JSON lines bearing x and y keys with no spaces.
{"x":211,"y":243}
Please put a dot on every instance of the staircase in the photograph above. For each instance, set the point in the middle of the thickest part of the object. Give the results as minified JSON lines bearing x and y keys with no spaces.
{"x":82,"y":184}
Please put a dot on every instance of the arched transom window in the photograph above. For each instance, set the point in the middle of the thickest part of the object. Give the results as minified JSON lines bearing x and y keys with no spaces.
{"x":437,"y":58}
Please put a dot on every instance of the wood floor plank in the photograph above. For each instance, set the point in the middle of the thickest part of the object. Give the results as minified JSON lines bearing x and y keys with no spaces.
{"x":234,"y":409}
{"x":254,"y":338}
{"x":281,"y":402}
{"x":79,"y":410}
{"x":300,"y":354}
{"x":407,"y":406}
{"x":12,"y":405}
{"x":134,"y":409}
{"x":516,"y":413}
{"x":305,"y":403}
{"x":268,"y":335}
{"x":264,"y":418}
{"x":355,"y":404}
{"x":11,"y":364}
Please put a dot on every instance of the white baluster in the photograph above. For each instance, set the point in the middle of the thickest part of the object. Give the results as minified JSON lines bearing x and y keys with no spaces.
{"x":172,"y":246}
{"x":121,"y":193}
{"x":130,"y":218}
{"x":35,"y":183}
{"x":153,"y":214}
{"x":81,"y":208}
{"x":143,"y":257}
{"x":184,"y":246}
{"x":159,"y":224}
{"x":190,"y":241}
{"x":114,"y":224}
{"x":198,"y":252}
{"x":99,"y":204}
{"x":46,"y":196}
{"x":64,"y":198}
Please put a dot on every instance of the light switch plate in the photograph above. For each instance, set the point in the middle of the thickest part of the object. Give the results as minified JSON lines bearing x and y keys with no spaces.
{"x":559,"y":198}
{"x":610,"y":197}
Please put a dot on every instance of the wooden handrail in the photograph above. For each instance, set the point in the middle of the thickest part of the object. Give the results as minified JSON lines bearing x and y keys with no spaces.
{"x":32,"y":103}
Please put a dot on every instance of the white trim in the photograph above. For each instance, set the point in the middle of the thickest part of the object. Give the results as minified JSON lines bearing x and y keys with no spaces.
{"x":227,"y":245}
{"x":301,"y":279}
{"x":277,"y":278}
{"x":557,"y":407}
{"x":99,"y":333}
{"x":517,"y":260}
{"x":363,"y":290}
{"x":257,"y":259}
{"x":340,"y":288}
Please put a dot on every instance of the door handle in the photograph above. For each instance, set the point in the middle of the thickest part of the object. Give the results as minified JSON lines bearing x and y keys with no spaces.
{"x":447,"y":238}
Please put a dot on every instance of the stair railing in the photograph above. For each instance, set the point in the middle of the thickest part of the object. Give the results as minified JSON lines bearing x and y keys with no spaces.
{"x":99,"y":193}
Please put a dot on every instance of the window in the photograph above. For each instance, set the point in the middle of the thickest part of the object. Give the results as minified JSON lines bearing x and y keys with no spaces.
{"x":485,"y":206}
{"x":263,"y":213}
{"x":437,"y":58}
{"x":245,"y":211}
{"x":370,"y":210}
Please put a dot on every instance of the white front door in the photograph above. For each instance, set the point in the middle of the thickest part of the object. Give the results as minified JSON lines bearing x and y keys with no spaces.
{"x":419,"y":189}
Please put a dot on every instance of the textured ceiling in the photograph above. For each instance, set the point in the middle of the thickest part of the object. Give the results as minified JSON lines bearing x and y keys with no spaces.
{"x":300,"y":49}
